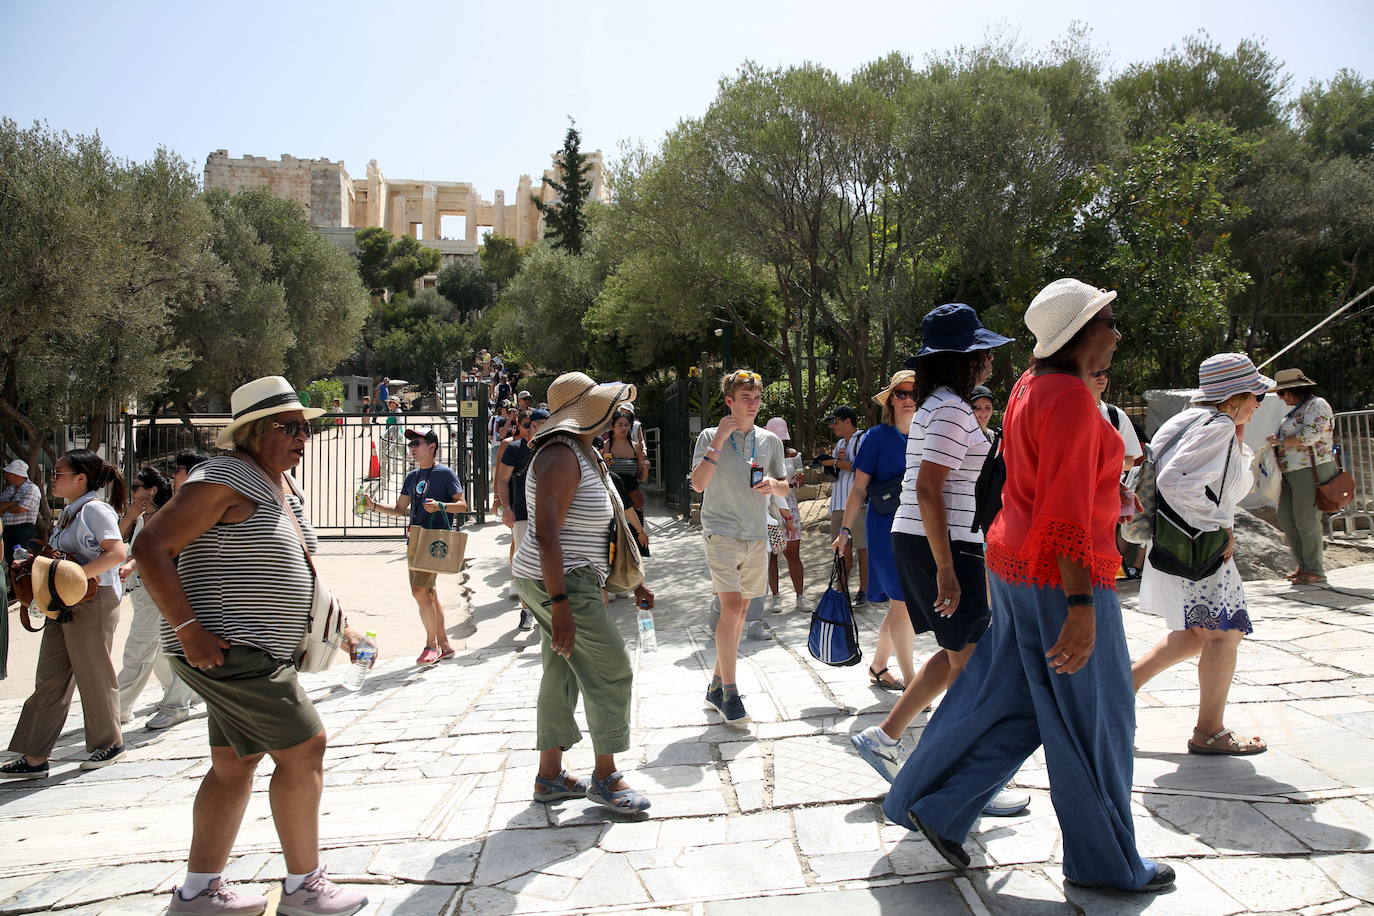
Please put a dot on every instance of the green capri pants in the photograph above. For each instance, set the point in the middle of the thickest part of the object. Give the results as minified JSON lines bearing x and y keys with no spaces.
{"x":599,"y":669}
{"x":1300,"y":518}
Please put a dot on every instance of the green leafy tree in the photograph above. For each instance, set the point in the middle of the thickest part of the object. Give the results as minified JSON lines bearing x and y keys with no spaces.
{"x":390,"y":264}
{"x":500,"y":256}
{"x":420,"y":351}
{"x":565,"y":218}
{"x":293,"y":305}
{"x":97,"y":252}
{"x":464,"y":283}
{"x":1337,"y":118}
{"x":540,"y":311}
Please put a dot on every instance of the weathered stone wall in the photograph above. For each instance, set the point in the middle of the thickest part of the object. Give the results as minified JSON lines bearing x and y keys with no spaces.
{"x":321,"y":186}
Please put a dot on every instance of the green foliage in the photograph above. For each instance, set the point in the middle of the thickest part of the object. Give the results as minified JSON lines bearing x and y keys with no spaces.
{"x":463,"y":283}
{"x":292,"y":305}
{"x":419,"y":351}
{"x":322,"y":393}
{"x":540,"y":313}
{"x":1159,"y":234}
{"x":1338,"y":118}
{"x":391,"y":264}
{"x":500,"y":257}
{"x":1242,"y":89}
{"x":565,"y":218}
{"x":96,"y":254}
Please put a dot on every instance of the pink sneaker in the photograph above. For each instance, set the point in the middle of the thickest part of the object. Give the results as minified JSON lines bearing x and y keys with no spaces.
{"x":319,"y":896}
{"x":218,"y":898}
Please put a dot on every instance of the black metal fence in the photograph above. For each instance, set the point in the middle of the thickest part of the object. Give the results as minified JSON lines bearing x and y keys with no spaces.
{"x":346,"y":454}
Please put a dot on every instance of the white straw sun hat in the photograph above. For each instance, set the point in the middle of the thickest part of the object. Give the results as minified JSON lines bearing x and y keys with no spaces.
{"x":1060,"y":309}
{"x":261,"y":398}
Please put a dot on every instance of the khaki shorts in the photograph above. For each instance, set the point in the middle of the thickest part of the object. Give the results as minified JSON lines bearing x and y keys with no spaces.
{"x":858,"y":539}
{"x":255,"y":702}
{"x":737,"y":566}
{"x":423,"y":579}
{"x":517,"y":533}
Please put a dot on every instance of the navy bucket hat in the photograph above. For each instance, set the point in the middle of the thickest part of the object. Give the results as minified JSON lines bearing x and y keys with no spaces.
{"x":955,"y":328}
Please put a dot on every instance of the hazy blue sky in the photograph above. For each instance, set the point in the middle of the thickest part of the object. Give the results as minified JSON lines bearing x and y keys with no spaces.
{"x":480,"y":91}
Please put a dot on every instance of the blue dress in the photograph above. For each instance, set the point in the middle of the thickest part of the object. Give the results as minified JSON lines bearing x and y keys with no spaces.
{"x":882,"y":456}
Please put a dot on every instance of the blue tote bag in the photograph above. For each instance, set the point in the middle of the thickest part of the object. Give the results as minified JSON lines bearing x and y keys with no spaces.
{"x":834,"y":637}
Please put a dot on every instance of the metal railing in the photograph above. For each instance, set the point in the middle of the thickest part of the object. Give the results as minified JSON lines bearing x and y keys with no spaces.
{"x":1354,"y":435}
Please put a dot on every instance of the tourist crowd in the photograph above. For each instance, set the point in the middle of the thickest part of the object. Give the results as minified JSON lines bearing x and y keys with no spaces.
{"x":997,"y":542}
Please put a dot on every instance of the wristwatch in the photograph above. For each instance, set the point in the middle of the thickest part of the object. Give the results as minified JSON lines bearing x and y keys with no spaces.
{"x":1079,"y":600}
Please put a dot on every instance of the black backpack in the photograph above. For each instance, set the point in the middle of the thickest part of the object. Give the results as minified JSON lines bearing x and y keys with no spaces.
{"x":987,"y":491}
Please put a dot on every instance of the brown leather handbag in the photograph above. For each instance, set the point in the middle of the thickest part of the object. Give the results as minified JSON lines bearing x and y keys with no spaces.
{"x":1336,"y":493}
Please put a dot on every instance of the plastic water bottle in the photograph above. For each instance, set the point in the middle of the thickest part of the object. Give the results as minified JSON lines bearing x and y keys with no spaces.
{"x":360,"y":499}
{"x":364,"y":654}
{"x":20,"y":554}
{"x":648,"y":639}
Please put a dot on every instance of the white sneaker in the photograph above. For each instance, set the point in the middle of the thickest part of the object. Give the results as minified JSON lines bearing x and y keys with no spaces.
{"x":775,"y":604}
{"x":756,"y":631}
{"x":885,"y":758}
{"x":319,"y":896}
{"x":166,"y":718}
{"x":800,"y":603}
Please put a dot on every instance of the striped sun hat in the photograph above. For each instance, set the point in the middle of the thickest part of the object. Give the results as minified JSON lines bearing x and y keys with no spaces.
{"x":1226,"y":374}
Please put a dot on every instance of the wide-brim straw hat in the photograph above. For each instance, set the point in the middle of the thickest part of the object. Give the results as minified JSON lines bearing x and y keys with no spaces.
{"x":1227,"y":374}
{"x":69,"y":581}
{"x":900,"y":377}
{"x":1060,"y":309}
{"x":578,"y":404}
{"x":1291,"y":378}
{"x":261,"y":398}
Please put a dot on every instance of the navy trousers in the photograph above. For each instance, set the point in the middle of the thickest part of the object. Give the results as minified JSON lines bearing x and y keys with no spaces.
{"x":1007,"y":703}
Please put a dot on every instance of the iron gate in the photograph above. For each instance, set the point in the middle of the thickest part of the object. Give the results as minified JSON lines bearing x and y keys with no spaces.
{"x":346,"y":452}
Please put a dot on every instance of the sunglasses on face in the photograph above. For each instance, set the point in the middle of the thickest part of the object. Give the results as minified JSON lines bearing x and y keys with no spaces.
{"x":1102,"y":373}
{"x":903,"y":394}
{"x":294,"y":428}
{"x":137,"y":486}
{"x":1109,"y":320}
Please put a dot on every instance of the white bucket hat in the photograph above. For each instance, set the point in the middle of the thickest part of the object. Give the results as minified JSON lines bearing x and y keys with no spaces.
{"x":261,"y":398}
{"x":19,"y":467}
{"x":778,"y":427}
{"x":1060,"y":309}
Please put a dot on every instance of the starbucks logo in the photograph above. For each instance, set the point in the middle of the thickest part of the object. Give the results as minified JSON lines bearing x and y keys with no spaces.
{"x":438,"y":549}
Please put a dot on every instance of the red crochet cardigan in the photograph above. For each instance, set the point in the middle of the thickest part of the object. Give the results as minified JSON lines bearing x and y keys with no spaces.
{"x":1061,"y":496}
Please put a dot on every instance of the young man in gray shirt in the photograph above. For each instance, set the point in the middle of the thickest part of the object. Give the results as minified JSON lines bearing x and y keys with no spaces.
{"x":737,"y":467}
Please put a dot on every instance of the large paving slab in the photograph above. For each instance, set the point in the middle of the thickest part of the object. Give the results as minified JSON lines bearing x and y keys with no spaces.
{"x":428,"y":775}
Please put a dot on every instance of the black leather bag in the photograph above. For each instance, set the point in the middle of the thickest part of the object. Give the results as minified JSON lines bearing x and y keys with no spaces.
{"x":987,"y":490}
{"x":885,"y":497}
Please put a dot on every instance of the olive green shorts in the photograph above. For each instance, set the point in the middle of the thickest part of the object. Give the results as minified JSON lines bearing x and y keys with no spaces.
{"x":256,"y":703}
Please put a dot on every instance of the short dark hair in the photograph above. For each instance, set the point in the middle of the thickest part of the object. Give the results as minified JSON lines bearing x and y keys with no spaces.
{"x":152,"y":478}
{"x":188,"y":459}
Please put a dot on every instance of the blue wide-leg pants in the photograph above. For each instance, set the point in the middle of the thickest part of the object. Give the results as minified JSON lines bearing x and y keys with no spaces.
{"x":1008,"y":702}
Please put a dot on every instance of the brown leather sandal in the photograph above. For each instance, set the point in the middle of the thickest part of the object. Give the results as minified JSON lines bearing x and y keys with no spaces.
{"x":1225,"y":744}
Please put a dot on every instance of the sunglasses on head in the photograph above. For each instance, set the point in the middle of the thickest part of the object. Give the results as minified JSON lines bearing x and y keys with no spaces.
{"x":745,"y":375}
{"x":294,"y":428}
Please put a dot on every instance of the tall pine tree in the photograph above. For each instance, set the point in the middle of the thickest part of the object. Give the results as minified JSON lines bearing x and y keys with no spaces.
{"x":565,"y":223}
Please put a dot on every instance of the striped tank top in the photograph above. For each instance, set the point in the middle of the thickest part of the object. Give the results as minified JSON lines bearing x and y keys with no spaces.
{"x":585,"y":535}
{"x":248,"y":581}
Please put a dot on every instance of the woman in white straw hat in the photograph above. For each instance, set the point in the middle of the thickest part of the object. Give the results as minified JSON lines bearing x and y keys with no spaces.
{"x":560,"y":569}
{"x":1303,"y":445}
{"x":225,"y":562}
{"x":76,"y":646}
{"x":1052,"y":670}
{"x":1203,"y":474}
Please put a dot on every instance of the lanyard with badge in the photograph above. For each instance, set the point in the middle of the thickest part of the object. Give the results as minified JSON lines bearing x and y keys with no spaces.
{"x":755,"y":472}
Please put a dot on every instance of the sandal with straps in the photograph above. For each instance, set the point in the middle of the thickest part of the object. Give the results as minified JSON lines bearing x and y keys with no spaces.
{"x":627,"y":800}
{"x":555,"y":788}
{"x":1225,"y":744}
{"x":878,"y":679}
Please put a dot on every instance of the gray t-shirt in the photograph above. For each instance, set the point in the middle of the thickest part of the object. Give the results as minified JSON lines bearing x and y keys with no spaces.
{"x":728,"y":506}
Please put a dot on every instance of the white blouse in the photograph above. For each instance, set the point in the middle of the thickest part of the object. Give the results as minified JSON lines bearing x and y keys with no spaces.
{"x":1191,"y":475}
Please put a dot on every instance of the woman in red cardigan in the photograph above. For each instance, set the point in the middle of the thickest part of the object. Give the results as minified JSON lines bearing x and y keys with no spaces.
{"x":1053,"y":667}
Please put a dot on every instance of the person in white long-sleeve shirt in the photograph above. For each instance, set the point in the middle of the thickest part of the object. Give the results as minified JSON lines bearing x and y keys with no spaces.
{"x":1203,"y":475}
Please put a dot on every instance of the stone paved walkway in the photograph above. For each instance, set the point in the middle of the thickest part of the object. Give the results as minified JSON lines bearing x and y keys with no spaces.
{"x":429,"y":773}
